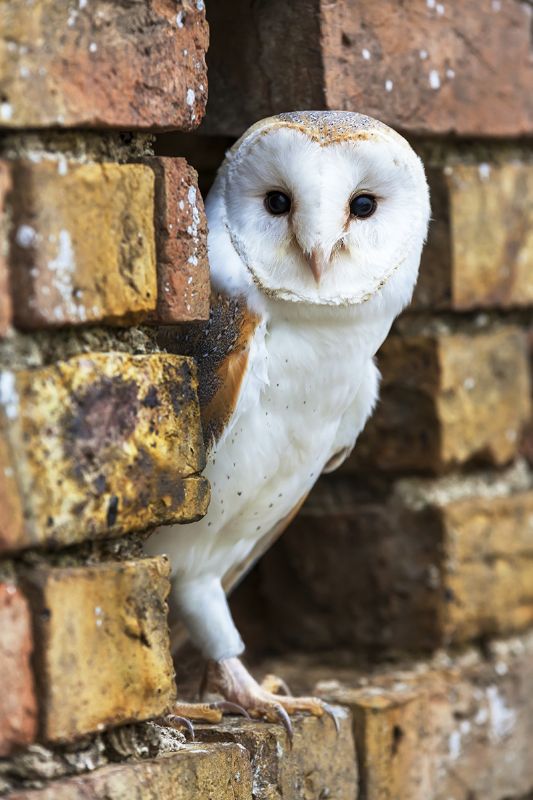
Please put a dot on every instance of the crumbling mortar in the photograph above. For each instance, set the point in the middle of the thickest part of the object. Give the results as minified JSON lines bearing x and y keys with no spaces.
{"x":35,"y":766}
{"x":79,"y":146}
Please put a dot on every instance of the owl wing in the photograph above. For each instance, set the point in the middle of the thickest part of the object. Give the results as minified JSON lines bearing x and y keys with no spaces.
{"x":221,"y":348}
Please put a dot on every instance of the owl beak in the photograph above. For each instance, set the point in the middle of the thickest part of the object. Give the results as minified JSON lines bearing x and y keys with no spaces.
{"x":318,"y":262}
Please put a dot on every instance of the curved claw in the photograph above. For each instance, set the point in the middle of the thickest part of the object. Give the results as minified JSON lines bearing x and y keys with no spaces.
{"x":180,"y":722}
{"x":285,"y":720}
{"x":230,"y":708}
{"x":331,"y":713}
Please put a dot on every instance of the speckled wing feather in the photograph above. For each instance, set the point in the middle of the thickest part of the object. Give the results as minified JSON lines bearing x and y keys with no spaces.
{"x":221,"y":348}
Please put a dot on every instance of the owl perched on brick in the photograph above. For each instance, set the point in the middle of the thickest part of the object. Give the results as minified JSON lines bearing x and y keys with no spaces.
{"x":316,"y":226}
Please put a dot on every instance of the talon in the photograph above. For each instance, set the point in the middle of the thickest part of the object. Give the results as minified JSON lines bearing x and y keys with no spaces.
{"x":174,"y":721}
{"x":230,"y":708}
{"x":283,"y":717}
{"x":331,"y":714}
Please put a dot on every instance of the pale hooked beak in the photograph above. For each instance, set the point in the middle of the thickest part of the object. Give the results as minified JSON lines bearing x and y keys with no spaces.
{"x":318,"y":262}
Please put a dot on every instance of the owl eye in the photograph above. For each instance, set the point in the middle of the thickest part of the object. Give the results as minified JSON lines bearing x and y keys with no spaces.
{"x":363,"y":206}
{"x":277,"y":202}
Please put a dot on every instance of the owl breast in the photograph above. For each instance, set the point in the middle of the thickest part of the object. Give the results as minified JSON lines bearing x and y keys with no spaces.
{"x":300,"y":384}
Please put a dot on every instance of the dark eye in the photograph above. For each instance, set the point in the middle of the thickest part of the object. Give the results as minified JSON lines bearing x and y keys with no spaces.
{"x":363,"y":206}
{"x":277,"y":203}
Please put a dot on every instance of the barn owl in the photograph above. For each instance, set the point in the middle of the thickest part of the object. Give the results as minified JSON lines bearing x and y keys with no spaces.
{"x":316,"y":226}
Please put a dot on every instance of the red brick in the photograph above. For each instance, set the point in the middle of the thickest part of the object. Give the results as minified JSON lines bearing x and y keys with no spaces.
{"x":181,"y":242}
{"x":421,"y":67}
{"x":5,"y":295}
{"x":18,"y":711}
{"x":139,"y":65}
{"x":83,"y":243}
{"x":102,"y":646}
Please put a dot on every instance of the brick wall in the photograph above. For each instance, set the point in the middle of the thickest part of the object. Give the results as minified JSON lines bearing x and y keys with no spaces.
{"x":404,"y":590}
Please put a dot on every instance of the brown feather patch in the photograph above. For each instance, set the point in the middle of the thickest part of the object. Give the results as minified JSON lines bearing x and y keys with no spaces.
{"x":221,"y":348}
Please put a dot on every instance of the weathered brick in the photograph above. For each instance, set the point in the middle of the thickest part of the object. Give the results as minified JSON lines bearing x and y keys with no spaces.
{"x":460,"y":731}
{"x":420,"y":566}
{"x":18,"y":711}
{"x":103,"y":64}
{"x":101,"y":644}
{"x":423,"y":68}
{"x":388,"y":726}
{"x":83,"y":243}
{"x":319,"y":764}
{"x":121,"y":440}
{"x":6,"y":310}
{"x":480,"y":248}
{"x":206,"y":772}
{"x":181,"y":241}
{"x":447,"y":399}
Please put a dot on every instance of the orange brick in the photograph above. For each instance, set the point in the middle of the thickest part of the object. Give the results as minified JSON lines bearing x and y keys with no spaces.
{"x":103,"y":65}
{"x":421,"y":67}
{"x":83,"y":243}
{"x":447,"y":399}
{"x":18,"y":711}
{"x":480,"y":248}
{"x":121,"y":440}
{"x":102,"y":645}
{"x":181,"y":231}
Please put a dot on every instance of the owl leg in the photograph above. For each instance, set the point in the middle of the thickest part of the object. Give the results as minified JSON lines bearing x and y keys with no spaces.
{"x":230,"y":678}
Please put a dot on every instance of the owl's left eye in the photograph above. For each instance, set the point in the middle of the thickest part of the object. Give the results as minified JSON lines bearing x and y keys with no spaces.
{"x":277,"y":202}
{"x":363,"y":206}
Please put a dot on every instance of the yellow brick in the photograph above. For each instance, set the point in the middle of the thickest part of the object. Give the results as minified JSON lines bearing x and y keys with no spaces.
{"x":488,"y":566}
{"x":480,"y":248}
{"x":425,"y":564}
{"x":468,"y":727}
{"x":102,"y":644}
{"x":447,"y":399}
{"x":84,"y":248}
{"x":206,"y":772}
{"x":321,"y":763}
{"x":100,"y":445}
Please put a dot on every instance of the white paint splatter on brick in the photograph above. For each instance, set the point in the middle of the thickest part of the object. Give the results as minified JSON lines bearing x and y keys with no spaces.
{"x":191,"y":96}
{"x":180,"y":19}
{"x":389,"y":85}
{"x":423,"y":54}
{"x":9,"y":398}
{"x":502,"y":718}
{"x":26,"y":236}
{"x":454,"y":745}
{"x":6,"y":111}
{"x":365,"y":53}
{"x":434,"y":79}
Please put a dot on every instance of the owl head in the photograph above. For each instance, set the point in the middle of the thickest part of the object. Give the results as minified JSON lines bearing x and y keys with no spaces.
{"x":318,"y":207}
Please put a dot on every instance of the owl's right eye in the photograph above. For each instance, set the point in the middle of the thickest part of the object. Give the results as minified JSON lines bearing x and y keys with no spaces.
{"x":277,"y":203}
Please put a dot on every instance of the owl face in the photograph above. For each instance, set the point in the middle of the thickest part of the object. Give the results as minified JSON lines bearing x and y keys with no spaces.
{"x":323,"y":207}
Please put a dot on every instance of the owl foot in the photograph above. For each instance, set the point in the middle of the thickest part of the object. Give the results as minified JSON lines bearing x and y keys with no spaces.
{"x":232,"y":680}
